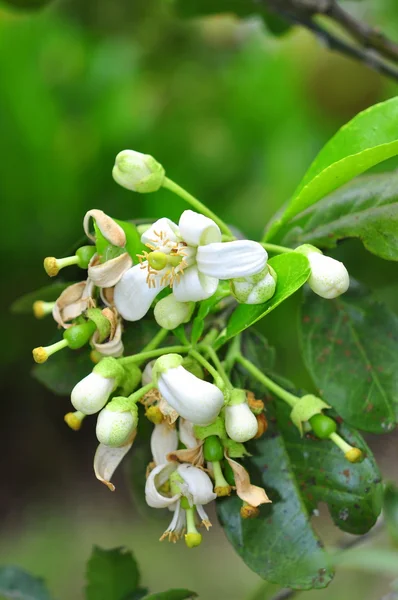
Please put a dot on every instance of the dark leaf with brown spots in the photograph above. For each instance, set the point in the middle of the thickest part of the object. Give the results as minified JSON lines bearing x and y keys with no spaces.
{"x":350,"y":349}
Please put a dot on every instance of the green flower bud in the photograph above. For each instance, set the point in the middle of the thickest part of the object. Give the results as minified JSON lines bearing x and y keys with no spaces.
{"x":255,"y":289}
{"x":138,"y":172}
{"x":169,"y":313}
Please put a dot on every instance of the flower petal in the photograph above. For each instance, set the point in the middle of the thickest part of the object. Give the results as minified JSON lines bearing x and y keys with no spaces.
{"x":73,"y":301}
{"x":114,"y":347}
{"x":157,"y":477}
{"x":109,"y":273}
{"x":252,"y":494}
{"x":161,"y":232}
{"x":107,"y":226}
{"x":231,"y":259}
{"x":199,"y":484}
{"x":194,"y":456}
{"x":187,"y":436}
{"x":106,"y":461}
{"x":193,"y":286}
{"x":164,"y":439}
{"x":133,"y":296}
{"x":198,"y":230}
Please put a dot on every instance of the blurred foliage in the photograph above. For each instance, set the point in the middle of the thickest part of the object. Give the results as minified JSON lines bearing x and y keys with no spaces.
{"x":235,"y":114}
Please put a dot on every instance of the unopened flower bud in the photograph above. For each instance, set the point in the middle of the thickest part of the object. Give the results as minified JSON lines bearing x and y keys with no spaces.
{"x":92,"y":393}
{"x":255,"y":289}
{"x":115,"y":427}
{"x":138,"y":172}
{"x":169,"y":313}
{"x":329,"y":278}
{"x":195,"y":400}
{"x":240,"y":422}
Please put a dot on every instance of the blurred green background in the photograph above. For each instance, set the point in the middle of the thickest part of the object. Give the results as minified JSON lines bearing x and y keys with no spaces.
{"x":236,"y":116}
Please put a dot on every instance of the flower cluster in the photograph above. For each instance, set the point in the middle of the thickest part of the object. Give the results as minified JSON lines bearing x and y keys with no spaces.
{"x":201,"y":420}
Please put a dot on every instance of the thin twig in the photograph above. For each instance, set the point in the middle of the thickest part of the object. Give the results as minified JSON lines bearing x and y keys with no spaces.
{"x":372,"y":46}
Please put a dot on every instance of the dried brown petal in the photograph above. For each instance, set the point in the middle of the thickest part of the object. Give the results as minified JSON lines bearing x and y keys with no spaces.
{"x":252,"y":494}
{"x":107,"y":274}
{"x":188,"y":455}
{"x":73,"y":301}
{"x":107,"y":226}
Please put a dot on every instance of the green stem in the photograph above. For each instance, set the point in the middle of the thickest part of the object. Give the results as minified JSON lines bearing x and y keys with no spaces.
{"x":205,"y":363}
{"x":136,"y":396}
{"x":266,"y":381}
{"x":196,"y":204}
{"x":276,"y":249}
{"x":213,"y":355}
{"x":156,"y":340}
{"x":142,"y":356}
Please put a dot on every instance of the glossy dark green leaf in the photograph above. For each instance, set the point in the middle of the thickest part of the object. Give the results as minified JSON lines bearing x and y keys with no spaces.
{"x":48,"y":293}
{"x":352,"y":492}
{"x":390,"y":510}
{"x":133,"y":239}
{"x":368,"y":139}
{"x":350,"y":349}
{"x":172,"y":595}
{"x":280,"y":544}
{"x":293,"y":271}
{"x":27,"y":4}
{"x":64,"y":370}
{"x":366,"y":209}
{"x":111,"y":574}
{"x":17,"y":584}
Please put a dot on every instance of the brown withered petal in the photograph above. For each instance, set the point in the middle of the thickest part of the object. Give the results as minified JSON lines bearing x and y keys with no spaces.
{"x":114,"y":346}
{"x":107,"y":274}
{"x":252,"y":494}
{"x":73,"y":301}
{"x":107,"y":226}
{"x":188,"y":455}
{"x":106,"y":295}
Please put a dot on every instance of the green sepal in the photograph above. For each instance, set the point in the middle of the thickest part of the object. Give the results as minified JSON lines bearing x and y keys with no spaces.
{"x":306,"y":407}
{"x":164,"y":363}
{"x":101,"y":322}
{"x":132,"y":378}
{"x":201,"y":432}
{"x":235,"y":449}
{"x":307,"y":249}
{"x":237,"y":396}
{"x":122,"y":404}
{"x":110,"y":368}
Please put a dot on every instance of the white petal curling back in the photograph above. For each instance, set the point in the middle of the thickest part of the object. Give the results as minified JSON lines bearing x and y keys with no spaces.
{"x":147,"y":373}
{"x":106,"y":461}
{"x":133,"y":296}
{"x":231,"y":259}
{"x":329,"y":278}
{"x":187,"y":436}
{"x":163,"y":229}
{"x":91,"y":393}
{"x":164,"y":439}
{"x":199,"y":484}
{"x":193,"y":286}
{"x":198,"y":230}
{"x":196,"y":400}
{"x":157,"y":477}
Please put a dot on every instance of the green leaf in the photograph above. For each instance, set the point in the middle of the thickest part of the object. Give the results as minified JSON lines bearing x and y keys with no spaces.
{"x":293,"y":271}
{"x":390,"y":510}
{"x":350,"y":349}
{"x":352,"y":492}
{"x":204,"y":309}
{"x":64,"y":370}
{"x":28,"y":4}
{"x":368,"y":139}
{"x":280,"y":544}
{"x":49,"y":293}
{"x":366,"y":209}
{"x":172,"y":595}
{"x":111,"y":574}
{"x":133,"y":239}
{"x":17,"y":584}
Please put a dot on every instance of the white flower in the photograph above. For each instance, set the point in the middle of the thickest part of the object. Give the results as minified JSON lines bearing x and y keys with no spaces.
{"x":255,"y":289}
{"x":92,"y":393}
{"x":329,"y":278}
{"x":164,"y":439}
{"x":196,"y":400}
{"x":115,"y":427}
{"x":187,"y":483}
{"x":190,"y":258}
{"x":138,"y":172}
